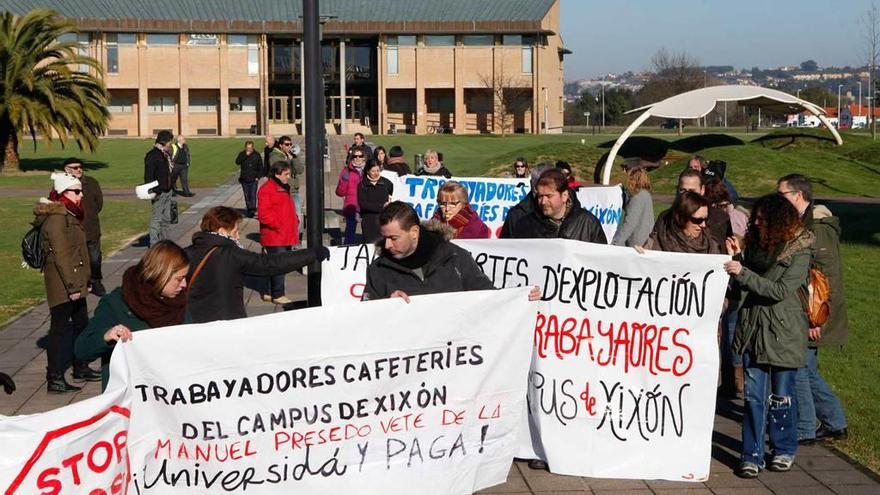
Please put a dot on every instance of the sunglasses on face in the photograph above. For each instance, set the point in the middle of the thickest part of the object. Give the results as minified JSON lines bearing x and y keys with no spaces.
{"x":358,"y":156}
{"x":519,"y":166}
{"x":75,"y":191}
{"x":285,"y":144}
{"x":698,"y":220}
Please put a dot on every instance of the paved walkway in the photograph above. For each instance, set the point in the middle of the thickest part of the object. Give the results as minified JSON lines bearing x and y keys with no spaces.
{"x":817,"y":470}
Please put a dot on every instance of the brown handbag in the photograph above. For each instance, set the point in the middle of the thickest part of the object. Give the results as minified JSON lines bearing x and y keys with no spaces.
{"x":814,"y":297}
{"x":198,"y":269}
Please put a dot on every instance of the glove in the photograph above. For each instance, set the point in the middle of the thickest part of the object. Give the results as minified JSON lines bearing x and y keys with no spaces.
{"x":321,"y":253}
{"x":7,"y":383}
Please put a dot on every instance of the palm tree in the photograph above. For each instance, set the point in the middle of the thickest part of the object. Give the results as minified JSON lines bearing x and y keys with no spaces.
{"x":41,"y":91}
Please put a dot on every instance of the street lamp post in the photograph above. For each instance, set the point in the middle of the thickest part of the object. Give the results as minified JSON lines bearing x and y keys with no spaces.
{"x":860,"y":98}
{"x":314,"y":130}
{"x":839,"y":86}
{"x":603,"y":108}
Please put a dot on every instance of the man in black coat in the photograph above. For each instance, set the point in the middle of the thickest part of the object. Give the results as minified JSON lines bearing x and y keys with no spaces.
{"x":251,"y":170}
{"x":527,"y":205}
{"x":416,"y":261}
{"x":182,"y":159}
{"x":558,"y":215}
{"x":158,"y":167}
{"x":92,"y":203}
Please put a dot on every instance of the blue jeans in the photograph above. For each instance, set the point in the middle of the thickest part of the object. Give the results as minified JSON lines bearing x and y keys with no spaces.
{"x":351,"y":225}
{"x":816,"y":400}
{"x":249,"y":190}
{"x":769,"y":408}
{"x":728,"y":328}
{"x":275,"y":286}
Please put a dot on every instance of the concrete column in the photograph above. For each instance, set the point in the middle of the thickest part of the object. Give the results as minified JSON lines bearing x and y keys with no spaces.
{"x":143,"y":92}
{"x":342,"y":112}
{"x":420,"y":93}
{"x":460,"y":111}
{"x":302,"y":84}
{"x":381,"y":121}
{"x":497,"y":121}
{"x":223,"y":128}
{"x":263,"y":119}
{"x":183,"y":126}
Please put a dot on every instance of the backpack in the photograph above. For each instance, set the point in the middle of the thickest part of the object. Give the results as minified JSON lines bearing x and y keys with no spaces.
{"x":814,"y":297}
{"x":32,"y":248}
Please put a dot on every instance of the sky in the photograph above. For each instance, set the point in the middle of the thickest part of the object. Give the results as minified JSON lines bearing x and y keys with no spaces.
{"x":621,"y":35}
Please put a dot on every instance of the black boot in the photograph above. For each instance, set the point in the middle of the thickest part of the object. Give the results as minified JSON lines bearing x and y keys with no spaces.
{"x":56,"y":384}
{"x":98,"y":288}
{"x":82,"y":373}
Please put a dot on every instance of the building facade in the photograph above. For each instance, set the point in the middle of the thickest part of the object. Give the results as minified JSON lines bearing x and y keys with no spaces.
{"x":390,"y":66}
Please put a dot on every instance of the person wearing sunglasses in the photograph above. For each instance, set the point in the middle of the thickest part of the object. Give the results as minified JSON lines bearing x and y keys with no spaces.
{"x":685,"y":229}
{"x":286,"y":151}
{"x":66,"y":275}
{"x":350,"y":178}
{"x":521,"y":169}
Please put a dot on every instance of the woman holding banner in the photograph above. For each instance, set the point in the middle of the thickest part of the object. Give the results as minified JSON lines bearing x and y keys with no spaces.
{"x":683,"y":229}
{"x":454,"y":210}
{"x":152,"y":295}
{"x":771,"y":333}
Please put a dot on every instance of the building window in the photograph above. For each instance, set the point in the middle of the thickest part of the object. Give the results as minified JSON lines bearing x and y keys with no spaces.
{"x":202,"y":103}
{"x":440,"y":40}
{"x":112,"y":53}
{"x":243,"y":104}
{"x":162,"y":104}
{"x":402,"y":40}
{"x":527,"y":59}
{"x":202,"y":39}
{"x":478,"y":40}
{"x":512,"y":40}
{"x":391,"y":59}
{"x":162,"y":39}
{"x":253,"y":60}
{"x":120,"y":104}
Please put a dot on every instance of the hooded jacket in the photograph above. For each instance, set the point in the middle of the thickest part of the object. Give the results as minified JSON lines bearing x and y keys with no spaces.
{"x":448,"y":268}
{"x":826,"y":256}
{"x":67,"y":257}
{"x":772,"y":324}
{"x":218,"y":291}
{"x":579,"y":225}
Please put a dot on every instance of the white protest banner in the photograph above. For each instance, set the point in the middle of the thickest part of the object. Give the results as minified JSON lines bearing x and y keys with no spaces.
{"x":606,"y":204}
{"x":80,"y":448}
{"x":343,"y":276}
{"x":322,"y":400}
{"x":626,"y":354}
{"x":493,"y":197}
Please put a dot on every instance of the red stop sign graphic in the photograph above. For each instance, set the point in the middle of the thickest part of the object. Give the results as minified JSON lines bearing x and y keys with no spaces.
{"x":98,"y":459}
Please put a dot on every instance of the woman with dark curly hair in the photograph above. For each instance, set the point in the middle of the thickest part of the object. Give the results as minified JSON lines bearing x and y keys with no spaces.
{"x":772,"y":330}
{"x":718,"y":197}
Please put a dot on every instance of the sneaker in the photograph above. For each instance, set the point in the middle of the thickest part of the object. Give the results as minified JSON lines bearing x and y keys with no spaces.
{"x":748,"y":470}
{"x":281,"y":300}
{"x":781,"y":463}
{"x":266,"y":298}
{"x":825,"y":433}
{"x":538,"y":464}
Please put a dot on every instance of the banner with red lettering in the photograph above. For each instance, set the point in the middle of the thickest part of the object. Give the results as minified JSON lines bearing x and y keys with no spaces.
{"x":623,"y":380}
{"x":322,"y":400}
{"x":493,"y":197}
{"x":80,"y":448}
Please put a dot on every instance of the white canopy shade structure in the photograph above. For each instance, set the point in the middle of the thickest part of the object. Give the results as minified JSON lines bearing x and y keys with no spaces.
{"x":699,"y":102}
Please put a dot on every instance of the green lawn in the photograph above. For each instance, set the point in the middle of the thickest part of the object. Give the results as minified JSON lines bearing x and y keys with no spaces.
{"x":119,"y":163}
{"x":21,"y":288}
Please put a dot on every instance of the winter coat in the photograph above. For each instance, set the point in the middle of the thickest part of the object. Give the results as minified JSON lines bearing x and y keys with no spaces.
{"x":826,"y":256}
{"x":156,"y":168}
{"x":449,"y":268}
{"x":371,"y":201}
{"x":67,"y":257}
{"x":638,"y":222}
{"x":180,"y":155}
{"x":92,"y":203}
{"x":347,"y":189}
{"x":111,"y":311}
{"x":218,"y":291}
{"x":473,"y":229}
{"x":772,"y":323}
{"x":718,"y":222}
{"x":279,"y":225}
{"x":522,"y":209}
{"x":296,"y":168}
{"x":442,"y":172}
{"x":251,"y":166}
{"x":397,"y":166}
{"x":579,"y":225}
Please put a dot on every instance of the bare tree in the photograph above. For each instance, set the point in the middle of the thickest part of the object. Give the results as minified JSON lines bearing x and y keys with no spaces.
{"x":673,"y":73}
{"x":871,"y":35}
{"x":509,"y":96}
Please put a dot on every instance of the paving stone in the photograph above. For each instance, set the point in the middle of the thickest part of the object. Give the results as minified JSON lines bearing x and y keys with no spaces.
{"x":791,"y":478}
{"x":759,"y":490}
{"x":856,"y":489}
{"x":614,"y":484}
{"x":802,"y":490}
{"x":847,"y":477}
{"x":823,"y":463}
{"x":730,"y":480}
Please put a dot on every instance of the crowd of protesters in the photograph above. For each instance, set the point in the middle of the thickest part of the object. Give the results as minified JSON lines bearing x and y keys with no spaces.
{"x":769,"y":349}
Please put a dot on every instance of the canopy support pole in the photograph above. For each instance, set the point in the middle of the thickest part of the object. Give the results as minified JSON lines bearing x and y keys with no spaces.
{"x":609,"y":163}
{"x":813,"y":110}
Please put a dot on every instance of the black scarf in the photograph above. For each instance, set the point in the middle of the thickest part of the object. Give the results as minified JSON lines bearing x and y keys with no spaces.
{"x":280,"y":184}
{"x":428,"y":242}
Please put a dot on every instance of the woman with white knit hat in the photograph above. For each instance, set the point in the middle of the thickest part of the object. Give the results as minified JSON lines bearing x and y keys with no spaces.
{"x":66,"y":275}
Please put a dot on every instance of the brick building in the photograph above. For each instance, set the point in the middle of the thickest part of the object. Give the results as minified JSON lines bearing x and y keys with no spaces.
{"x":227,"y":67}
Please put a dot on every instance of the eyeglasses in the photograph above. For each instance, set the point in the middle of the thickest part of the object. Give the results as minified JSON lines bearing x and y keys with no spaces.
{"x":286,"y":144}
{"x":75,"y":191}
{"x":448,"y":204}
{"x":358,"y":156}
{"x":698,"y":220}
{"x":519,"y":166}
{"x":786,"y":192}
{"x":75,"y":167}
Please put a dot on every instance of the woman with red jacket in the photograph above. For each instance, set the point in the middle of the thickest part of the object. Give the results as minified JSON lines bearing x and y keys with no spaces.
{"x":279,"y":225}
{"x":454,"y":210}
